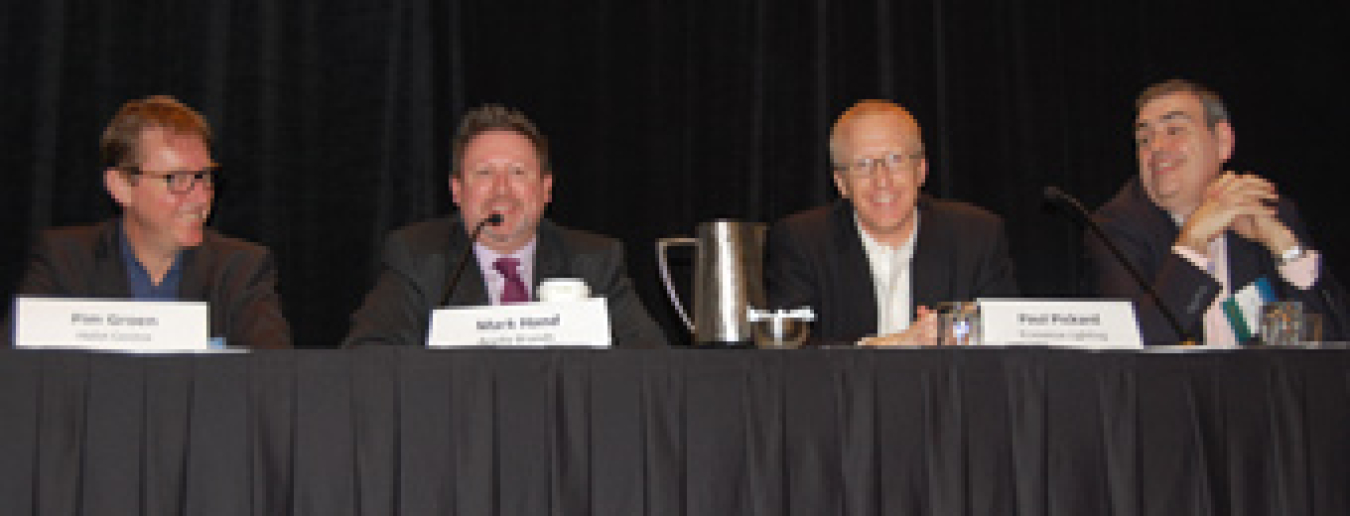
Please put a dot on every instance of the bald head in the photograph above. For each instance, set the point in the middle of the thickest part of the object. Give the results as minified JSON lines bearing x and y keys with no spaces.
{"x":879,"y":166}
{"x":864,"y":117}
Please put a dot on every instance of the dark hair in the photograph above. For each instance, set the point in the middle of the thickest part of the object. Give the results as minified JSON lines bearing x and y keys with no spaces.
{"x":495,"y":117}
{"x":1215,"y":111}
{"x":121,"y":140}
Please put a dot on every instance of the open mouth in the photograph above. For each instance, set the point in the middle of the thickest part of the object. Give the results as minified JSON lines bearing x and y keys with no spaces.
{"x":1161,"y":165}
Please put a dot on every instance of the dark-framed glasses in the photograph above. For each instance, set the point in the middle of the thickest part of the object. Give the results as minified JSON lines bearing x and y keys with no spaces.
{"x":865,"y":168}
{"x":180,"y":182}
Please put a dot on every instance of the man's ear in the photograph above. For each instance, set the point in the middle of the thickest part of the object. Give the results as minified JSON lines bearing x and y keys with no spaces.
{"x":922,"y":172}
{"x":1223,"y":131}
{"x":548,"y":187}
{"x":841,"y":184}
{"x":118,"y":186}
{"x":456,"y":184}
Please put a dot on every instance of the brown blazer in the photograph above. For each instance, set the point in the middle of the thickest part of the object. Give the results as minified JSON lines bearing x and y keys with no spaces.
{"x":236,"y":279}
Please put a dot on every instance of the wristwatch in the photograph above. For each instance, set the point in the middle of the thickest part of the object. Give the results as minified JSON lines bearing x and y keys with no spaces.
{"x":1294,"y":252}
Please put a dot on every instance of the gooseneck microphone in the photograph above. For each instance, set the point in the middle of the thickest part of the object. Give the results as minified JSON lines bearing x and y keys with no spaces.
{"x":1056,"y":196}
{"x":494,"y":219}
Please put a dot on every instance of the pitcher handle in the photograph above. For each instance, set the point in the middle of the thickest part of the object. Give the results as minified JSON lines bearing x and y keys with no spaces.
{"x":661,"y":245}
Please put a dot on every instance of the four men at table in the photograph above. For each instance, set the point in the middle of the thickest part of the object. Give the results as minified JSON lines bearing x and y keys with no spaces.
{"x":1200,"y":233}
{"x":872,"y":265}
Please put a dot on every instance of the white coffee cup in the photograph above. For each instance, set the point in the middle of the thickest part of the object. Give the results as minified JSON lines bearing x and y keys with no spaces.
{"x":554,"y":290}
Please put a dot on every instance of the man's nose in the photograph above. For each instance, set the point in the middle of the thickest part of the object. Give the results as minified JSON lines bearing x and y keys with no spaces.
{"x":1162,"y":142}
{"x":501,"y":181}
{"x":882,"y":175}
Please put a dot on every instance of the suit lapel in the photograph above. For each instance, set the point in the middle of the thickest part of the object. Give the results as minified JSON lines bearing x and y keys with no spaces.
{"x":193,"y":283}
{"x":110,"y":276}
{"x":472,"y":288}
{"x":550,"y":259}
{"x":1244,"y":262}
{"x":1156,"y":221}
{"x":929,"y":273}
{"x":855,"y":273}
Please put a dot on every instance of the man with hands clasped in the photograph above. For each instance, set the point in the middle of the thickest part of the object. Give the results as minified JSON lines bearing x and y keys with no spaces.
{"x":1201,"y":233}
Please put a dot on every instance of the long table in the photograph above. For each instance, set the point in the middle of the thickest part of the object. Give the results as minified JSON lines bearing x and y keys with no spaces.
{"x":675,"y":432}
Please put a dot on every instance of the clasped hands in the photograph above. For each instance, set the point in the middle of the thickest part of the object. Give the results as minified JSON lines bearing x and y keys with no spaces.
{"x":1244,"y":203}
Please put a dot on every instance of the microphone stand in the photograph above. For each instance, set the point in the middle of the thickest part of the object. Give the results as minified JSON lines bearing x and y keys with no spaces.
{"x":1058,"y":196}
{"x":494,"y":219}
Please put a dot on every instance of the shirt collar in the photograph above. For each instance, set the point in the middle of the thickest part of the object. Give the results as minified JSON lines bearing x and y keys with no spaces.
{"x":493,"y":281}
{"x":873,"y":247}
{"x":486,"y":256}
{"x":1179,"y":220}
{"x":138,"y":279}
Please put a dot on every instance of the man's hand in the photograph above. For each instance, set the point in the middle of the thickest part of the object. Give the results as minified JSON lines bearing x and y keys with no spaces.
{"x":1271,"y":233}
{"x":922,"y":332}
{"x":1232,"y":201}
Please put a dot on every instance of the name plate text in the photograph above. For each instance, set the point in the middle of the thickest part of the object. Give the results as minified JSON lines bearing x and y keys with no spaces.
{"x":1079,"y":323}
{"x":114,"y":325}
{"x":567,"y":323}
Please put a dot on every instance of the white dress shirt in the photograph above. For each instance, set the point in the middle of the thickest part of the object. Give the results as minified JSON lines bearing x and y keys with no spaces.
{"x":891,"y":278}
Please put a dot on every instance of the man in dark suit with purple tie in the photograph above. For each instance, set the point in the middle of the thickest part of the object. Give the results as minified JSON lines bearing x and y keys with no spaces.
{"x":501,"y":168}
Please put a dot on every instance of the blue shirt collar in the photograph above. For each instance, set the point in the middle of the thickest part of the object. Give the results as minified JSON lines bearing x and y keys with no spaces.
{"x":138,"y":279}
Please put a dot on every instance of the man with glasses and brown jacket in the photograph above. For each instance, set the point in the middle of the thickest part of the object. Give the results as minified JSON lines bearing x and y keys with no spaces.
{"x":158,"y":169}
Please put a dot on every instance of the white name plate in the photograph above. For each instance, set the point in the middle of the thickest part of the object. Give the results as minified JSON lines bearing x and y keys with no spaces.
{"x":568,"y":323}
{"x":1078,"y":323}
{"x":112,"y":325}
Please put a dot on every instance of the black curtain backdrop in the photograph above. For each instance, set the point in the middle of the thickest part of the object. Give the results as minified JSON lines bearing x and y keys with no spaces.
{"x":333,"y":117}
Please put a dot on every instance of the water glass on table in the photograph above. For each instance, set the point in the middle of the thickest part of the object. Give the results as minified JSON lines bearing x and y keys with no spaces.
{"x":959,"y":323}
{"x":1283,"y":323}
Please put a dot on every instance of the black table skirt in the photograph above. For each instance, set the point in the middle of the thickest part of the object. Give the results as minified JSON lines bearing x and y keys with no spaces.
{"x":697,"y":432}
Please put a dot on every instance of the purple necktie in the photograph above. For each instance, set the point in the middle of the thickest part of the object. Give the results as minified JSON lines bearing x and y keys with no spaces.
{"x":514,"y":289}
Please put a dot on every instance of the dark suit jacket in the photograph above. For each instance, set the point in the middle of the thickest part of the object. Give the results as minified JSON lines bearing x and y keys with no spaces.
{"x":816,"y":258}
{"x":1146,"y":233}
{"x":237,"y":279}
{"x":418,"y":259}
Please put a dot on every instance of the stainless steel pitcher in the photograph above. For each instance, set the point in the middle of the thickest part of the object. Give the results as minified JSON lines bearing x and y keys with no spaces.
{"x":728,"y":279}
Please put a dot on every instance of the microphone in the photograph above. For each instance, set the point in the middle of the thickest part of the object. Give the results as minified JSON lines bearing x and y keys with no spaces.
{"x":494,"y":219}
{"x":1056,"y":196}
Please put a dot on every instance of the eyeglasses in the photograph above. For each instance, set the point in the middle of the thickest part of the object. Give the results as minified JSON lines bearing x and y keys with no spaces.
{"x":180,"y":182}
{"x":511,"y":171}
{"x":865,"y":168}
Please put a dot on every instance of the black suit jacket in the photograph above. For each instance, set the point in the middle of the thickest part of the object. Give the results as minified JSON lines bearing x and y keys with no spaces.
{"x":816,"y":258}
{"x":237,"y":279}
{"x":1146,"y":233}
{"x":418,"y":259}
